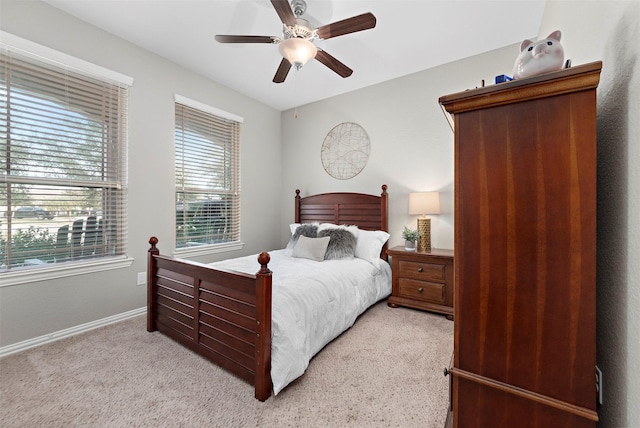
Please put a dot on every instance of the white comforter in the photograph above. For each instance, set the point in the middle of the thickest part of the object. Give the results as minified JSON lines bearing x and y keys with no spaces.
{"x":312,"y":303}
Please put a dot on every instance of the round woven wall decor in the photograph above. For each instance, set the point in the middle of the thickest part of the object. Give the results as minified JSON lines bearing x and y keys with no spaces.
{"x":345,"y":151}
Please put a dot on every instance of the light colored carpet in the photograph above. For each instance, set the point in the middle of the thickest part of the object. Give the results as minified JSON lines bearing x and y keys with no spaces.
{"x":386,"y":371}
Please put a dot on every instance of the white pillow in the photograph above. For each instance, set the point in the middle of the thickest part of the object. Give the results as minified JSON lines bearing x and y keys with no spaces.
{"x":369,"y":245}
{"x":293,"y":227}
{"x":311,"y":248}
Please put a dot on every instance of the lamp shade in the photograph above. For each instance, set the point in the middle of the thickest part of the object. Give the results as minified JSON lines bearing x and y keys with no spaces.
{"x":424,"y":203}
{"x":297,"y":51}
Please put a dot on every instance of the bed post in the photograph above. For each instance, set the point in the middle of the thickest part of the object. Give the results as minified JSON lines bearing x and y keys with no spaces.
{"x":297,"y":207}
{"x":384,"y":211}
{"x":151,"y":271}
{"x":263,"y":329}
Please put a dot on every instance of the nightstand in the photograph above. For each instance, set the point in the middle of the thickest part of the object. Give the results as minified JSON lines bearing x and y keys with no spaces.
{"x":422,"y":280}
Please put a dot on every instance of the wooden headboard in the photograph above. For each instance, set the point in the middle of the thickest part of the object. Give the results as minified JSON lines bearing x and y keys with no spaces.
{"x":369,"y":212}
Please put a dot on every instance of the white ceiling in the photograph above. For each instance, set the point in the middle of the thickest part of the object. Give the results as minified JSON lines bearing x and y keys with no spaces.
{"x":410,"y":35}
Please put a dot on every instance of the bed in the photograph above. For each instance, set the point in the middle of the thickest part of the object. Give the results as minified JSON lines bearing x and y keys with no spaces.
{"x":239,"y":313}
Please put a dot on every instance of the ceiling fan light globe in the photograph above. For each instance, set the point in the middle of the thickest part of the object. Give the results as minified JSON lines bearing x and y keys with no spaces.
{"x":297,"y":51}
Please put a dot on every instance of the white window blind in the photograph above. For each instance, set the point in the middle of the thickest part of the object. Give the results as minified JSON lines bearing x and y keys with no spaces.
{"x":63,"y":163}
{"x":207,"y":164}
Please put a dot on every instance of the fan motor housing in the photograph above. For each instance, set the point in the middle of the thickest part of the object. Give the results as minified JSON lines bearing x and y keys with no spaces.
{"x":303,"y":29}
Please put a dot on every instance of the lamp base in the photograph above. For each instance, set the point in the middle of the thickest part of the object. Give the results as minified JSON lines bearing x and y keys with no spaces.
{"x":424,"y":227}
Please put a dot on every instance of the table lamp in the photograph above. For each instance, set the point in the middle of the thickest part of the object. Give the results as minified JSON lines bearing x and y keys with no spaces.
{"x":424,"y":203}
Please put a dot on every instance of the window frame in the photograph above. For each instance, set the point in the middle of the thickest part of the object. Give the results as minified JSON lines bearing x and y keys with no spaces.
{"x":206,"y":249}
{"x":48,"y":56}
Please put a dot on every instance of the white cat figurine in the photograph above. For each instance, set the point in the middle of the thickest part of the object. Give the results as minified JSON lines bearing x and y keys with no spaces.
{"x":539,"y":57}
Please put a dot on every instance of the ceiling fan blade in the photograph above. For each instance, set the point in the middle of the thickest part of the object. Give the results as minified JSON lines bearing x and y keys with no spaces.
{"x":246,"y":39}
{"x":333,"y":64}
{"x":282,"y":71}
{"x":284,"y":11}
{"x":347,"y":26}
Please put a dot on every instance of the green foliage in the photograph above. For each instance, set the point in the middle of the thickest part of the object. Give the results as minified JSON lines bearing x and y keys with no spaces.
{"x":32,"y":243}
{"x":411,"y":235}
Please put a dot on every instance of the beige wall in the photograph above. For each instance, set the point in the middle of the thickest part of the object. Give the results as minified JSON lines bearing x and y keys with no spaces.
{"x":411,"y":141}
{"x":35,"y":309}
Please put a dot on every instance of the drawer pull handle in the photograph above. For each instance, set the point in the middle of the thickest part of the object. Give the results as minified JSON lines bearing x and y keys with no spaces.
{"x":419,"y":269}
{"x":420,"y":290}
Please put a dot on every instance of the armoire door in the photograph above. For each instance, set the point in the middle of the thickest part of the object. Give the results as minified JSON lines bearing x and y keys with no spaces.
{"x":525,"y":248}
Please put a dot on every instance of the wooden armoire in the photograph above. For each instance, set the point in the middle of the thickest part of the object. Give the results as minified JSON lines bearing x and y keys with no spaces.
{"x":525,"y":251}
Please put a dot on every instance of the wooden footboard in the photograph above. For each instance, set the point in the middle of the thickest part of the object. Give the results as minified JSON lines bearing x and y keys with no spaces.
{"x":222,"y":315}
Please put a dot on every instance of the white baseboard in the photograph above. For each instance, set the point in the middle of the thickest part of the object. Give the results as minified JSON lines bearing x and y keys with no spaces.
{"x":68,"y":332}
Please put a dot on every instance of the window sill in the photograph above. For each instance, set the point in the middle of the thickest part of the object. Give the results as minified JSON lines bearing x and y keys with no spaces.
{"x":203,"y":250}
{"x":62,"y":270}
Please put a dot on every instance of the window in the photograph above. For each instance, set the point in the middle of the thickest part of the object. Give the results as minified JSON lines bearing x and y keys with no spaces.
{"x":62,"y":161}
{"x":207,"y":175}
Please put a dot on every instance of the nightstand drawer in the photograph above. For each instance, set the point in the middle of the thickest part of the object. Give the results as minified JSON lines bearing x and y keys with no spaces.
{"x":422,"y":290}
{"x":423,"y":271}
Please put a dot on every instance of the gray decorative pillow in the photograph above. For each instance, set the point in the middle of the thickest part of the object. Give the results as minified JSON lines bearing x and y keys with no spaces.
{"x":342,"y":244}
{"x":308,"y":230}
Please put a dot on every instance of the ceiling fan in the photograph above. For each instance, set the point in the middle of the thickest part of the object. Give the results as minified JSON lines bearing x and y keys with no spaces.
{"x":296,"y":45}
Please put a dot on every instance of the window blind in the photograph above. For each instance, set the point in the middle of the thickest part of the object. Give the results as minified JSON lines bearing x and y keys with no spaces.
{"x":63,"y":140}
{"x":207,"y":159}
